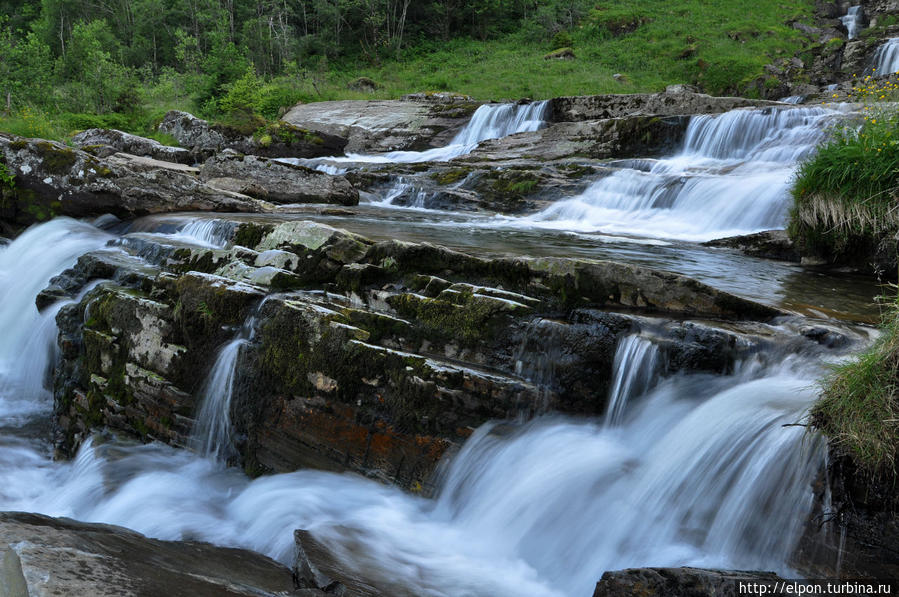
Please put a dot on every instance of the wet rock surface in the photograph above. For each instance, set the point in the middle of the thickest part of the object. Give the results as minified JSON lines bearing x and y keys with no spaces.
{"x":45,"y":556}
{"x":679,"y":582}
{"x":375,"y":357}
{"x":770,"y":244}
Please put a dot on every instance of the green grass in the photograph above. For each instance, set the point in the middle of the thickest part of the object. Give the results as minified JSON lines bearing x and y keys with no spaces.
{"x":859,"y":405}
{"x":846,"y":197}
{"x":718,"y":44}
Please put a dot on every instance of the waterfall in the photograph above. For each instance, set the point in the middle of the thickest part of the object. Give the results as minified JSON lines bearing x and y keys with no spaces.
{"x":886,"y":58}
{"x":732,"y":176}
{"x":705,"y":473}
{"x":852,"y":20}
{"x":489,"y":121}
{"x":211,"y":435}
{"x":494,"y":121}
{"x":208,"y":232}
{"x":634,"y":370}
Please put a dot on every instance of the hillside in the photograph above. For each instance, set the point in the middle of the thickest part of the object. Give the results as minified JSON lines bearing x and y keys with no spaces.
{"x":73,"y":65}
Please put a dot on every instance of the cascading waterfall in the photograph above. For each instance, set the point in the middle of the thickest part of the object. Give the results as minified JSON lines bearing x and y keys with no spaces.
{"x":634,"y":371}
{"x":852,"y":20}
{"x":211,"y":435}
{"x":701,"y":472}
{"x":731,"y":177}
{"x":886,"y":58}
{"x":489,"y":121}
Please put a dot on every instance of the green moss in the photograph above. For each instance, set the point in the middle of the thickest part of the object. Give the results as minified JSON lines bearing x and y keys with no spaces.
{"x":56,"y":159}
{"x":450,"y":176}
{"x":250,"y":234}
{"x":462,"y":318}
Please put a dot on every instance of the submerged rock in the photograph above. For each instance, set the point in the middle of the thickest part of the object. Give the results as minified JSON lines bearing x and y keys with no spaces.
{"x":770,"y":244}
{"x":274,"y":181}
{"x":45,"y":556}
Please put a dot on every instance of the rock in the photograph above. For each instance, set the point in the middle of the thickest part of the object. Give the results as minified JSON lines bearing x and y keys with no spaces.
{"x":560,"y":54}
{"x":44,"y":556}
{"x":279,"y":139}
{"x":632,"y":136}
{"x":316,"y":567}
{"x":681,"y":582}
{"x":621,"y":78}
{"x":853,"y":528}
{"x":274,"y":181}
{"x":192,"y":132}
{"x":387,"y":125}
{"x":676,"y":102}
{"x":770,"y":244}
{"x":362,"y":84}
{"x":104,"y":142}
{"x":53,"y":179}
{"x":389,"y":356}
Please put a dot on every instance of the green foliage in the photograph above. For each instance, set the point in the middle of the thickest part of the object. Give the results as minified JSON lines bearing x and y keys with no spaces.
{"x":859,"y":405}
{"x":141,"y":58}
{"x":243,"y":95}
{"x":7,"y":179}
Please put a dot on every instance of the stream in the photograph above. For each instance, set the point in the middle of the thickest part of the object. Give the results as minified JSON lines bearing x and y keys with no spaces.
{"x":685,"y":469}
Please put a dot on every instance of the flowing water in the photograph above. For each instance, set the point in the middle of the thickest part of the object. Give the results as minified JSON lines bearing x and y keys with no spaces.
{"x":886,"y":58}
{"x":692,"y":469}
{"x":852,"y":20}
{"x":489,"y":121}
{"x":634,"y":370}
{"x":700,"y":472}
{"x":731,"y":177}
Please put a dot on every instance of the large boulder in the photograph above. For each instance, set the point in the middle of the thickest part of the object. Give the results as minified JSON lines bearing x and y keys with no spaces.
{"x":51,"y":179}
{"x":276,"y":182}
{"x":676,"y":101}
{"x":44,"y":557}
{"x":104,"y":142}
{"x":618,"y":137}
{"x":415,"y":122}
{"x":279,"y":139}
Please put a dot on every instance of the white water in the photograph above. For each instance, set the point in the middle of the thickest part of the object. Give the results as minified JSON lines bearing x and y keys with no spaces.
{"x":490,"y":121}
{"x":886,"y":58}
{"x":700,"y":472}
{"x":634,"y":372}
{"x":853,"y":21}
{"x":212,"y":431}
{"x":732,"y":176}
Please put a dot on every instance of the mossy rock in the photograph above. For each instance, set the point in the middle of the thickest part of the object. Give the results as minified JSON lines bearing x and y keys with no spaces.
{"x":56,"y":159}
{"x":560,"y":54}
{"x":362,"y":84}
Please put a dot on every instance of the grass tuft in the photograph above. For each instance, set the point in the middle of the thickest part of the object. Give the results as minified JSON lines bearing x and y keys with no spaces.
{"x":859,"y":405}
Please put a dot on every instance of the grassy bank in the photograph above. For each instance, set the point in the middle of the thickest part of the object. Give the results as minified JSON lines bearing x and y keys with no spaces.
{"x":859,"y":405}
{"x":721,"y":46}
{"x":846,"y":196}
